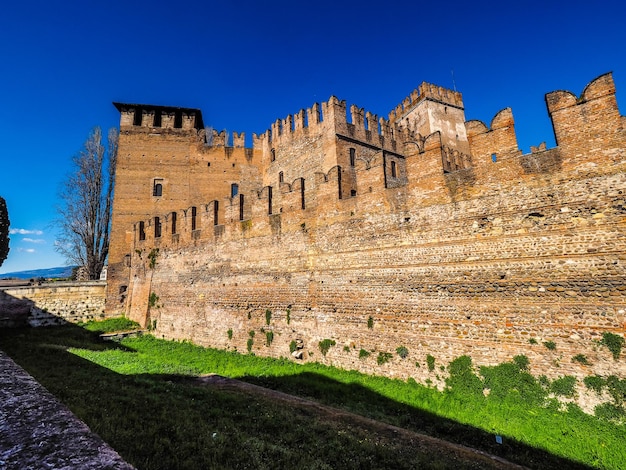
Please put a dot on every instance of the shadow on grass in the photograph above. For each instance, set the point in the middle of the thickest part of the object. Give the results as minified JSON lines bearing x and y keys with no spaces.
{"x":167,"y":422}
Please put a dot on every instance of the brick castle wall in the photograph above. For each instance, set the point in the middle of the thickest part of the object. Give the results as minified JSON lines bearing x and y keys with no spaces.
{"x":478,"y":260}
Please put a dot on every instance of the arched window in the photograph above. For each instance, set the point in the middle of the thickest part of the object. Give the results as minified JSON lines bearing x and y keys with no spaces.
{"x":273,"y":151}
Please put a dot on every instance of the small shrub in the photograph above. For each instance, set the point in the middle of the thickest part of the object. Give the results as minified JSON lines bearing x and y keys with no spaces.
{"x":610,"y":412}
{"x":595,"y":383}
{"x":617,"y":389}
{"x":153,"y":299}
{"x":269,"y":337}
{"x":402,"y":351}
{"x":249,"y":344}
{"x":462,"y":380}
{"x":370,"y":322}
{"x":383,"y":357}
{"x":564,"y":386}
{"x":268,"y":316}
{"x":251,"y":333}
{"x":581,"y":358}
{"x":152,"y":256}
{"x":532,"y":341}
{"x":417,"y":364}
{"x":293,"y":346}
{"x":430,"y":361}
{"x":442,"y":368}
{"x":551,"y":345}
{"x":288,"y":316}
{"x":346,"y":348}
{"x":363,"y":353}
{"x":230,"y":333}
{"x":614,"y":343}
{"x":325,"y":345}
{"x":522,"y":362}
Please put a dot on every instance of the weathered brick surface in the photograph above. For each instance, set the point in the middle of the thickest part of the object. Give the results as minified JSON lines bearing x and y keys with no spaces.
{"x":456,"y":254}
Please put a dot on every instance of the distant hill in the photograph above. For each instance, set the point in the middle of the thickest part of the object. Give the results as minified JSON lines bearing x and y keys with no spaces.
{"x":50,"y":273}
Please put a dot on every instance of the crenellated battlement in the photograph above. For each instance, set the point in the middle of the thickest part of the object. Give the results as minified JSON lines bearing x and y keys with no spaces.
{"x":152,"y":117}
{"x":335,"y":180}
{"x":422,"y":92}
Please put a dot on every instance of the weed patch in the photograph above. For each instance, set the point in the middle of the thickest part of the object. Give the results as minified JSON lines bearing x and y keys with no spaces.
{"x":325,"y":345}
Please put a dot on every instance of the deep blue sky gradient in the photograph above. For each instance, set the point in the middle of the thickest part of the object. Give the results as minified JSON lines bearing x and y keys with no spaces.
{"x":245,"y":64}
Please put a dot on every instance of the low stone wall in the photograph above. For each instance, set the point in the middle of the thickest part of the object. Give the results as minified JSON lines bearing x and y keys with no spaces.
{"x":52,"y":303}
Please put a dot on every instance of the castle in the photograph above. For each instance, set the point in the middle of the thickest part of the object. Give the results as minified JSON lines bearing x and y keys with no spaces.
{"x":420,"y":230}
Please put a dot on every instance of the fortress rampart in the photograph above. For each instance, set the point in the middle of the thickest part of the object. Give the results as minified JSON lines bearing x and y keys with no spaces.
{"x":375,"y":234}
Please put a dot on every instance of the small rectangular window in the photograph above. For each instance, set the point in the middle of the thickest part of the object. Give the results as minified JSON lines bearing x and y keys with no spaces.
{"x":142,"y":231}
{"x":494,"y":158}
{"x":352,"y":157}
{"x":157,"y":188}
{"x":234,"y":190}
{"x":394,"y":171}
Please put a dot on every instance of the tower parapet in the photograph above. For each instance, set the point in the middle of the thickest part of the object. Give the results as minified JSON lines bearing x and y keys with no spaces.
{"x":152,"y":116}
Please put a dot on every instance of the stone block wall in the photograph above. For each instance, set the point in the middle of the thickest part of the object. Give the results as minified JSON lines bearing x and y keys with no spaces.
{"x":53,"y":303}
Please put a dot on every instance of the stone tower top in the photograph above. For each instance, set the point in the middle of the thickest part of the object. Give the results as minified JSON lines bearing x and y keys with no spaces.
{"x":145,"y":115}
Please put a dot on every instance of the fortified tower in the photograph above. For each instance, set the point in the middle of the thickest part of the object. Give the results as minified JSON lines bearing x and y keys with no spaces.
{"x":166,"y":161}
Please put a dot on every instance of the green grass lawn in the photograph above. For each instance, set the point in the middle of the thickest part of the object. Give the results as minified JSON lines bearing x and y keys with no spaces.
{"x":131,"y":394}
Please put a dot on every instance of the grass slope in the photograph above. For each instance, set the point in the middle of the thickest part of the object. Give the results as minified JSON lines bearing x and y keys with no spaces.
{"x":131,"y":395}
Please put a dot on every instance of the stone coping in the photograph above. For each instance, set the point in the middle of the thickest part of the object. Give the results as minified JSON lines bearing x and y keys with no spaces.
{"x":37,"y":431}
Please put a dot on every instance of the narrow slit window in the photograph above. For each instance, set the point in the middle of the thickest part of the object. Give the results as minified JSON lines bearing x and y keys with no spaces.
{"x":339,"y":182}
{"x":352,"y":157}
{"x":216,"y":211}
{"x":241,"y":214}
{"x":157,"y":227}
{"x":193,"y":218}
{"x":173,"y":223}
{"x":142,"y":231}
{"x":269,"y":200}
{"x":273,"y":156}
{"x":394,"y":170}
{"x":302,"y":193}
{"x":281,"y":177}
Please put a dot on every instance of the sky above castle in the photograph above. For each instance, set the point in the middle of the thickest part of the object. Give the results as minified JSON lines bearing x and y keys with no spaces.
{"x":246,"y":64}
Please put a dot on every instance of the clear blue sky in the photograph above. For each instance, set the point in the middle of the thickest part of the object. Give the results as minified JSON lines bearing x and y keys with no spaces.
{"x":245,"y":64}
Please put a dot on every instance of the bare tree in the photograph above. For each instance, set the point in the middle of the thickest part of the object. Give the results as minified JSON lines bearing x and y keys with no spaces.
{"x":86,"y":203}
{"x":4,"y":230}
